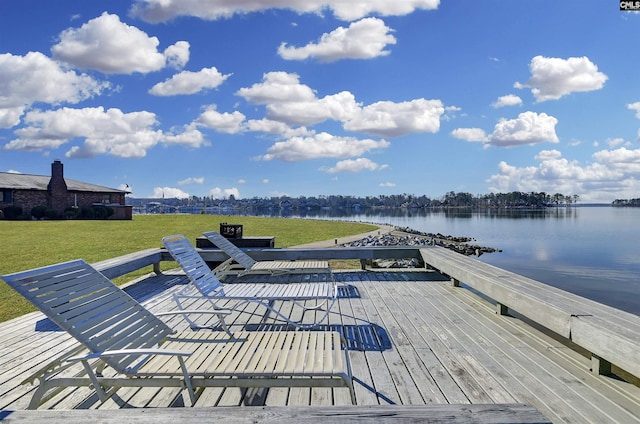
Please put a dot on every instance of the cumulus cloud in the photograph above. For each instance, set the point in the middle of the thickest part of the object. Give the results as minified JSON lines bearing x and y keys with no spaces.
{"x":277,"y":87}
{"x":339,"y":107}
{"x":470,"y":134}
{"x":621,"y":160}
{"x":364,"y":39}
{"x":165,"y":10}
{"x":188,"y":136}
{"x":224,"y":193}
{"x":32,"y":78}
{"x":508,"y":100}
{"x":395,"y":119}
{"x":613,"y":174}
{"x":553,"y":78}
{"x":293,"y":103}
{"x":387,"y":184}
{"x":528,"y":128}
{"x":289,"y":101}
{"x":635,"y":106}
{"x":230,"y":123}
{"x":110,"y":46}
{"x":111,"y":131}
{"x":169,"y":193}
{"x":321,"y":145}
{"x":355,"y":165}
{"x":187,"y":82}
{"x":191,"y":180}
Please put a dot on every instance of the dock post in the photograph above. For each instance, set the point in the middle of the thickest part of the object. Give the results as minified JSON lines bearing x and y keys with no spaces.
{"x":156,"y":268}
{"x":455,"y":282}
{"x":600,"y":366}
{"x":502,"y":309}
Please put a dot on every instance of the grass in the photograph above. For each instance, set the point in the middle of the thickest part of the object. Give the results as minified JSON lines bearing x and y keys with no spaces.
{"x":32,"y":244}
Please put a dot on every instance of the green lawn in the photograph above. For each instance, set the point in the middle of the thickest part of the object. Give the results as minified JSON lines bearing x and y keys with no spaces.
{"x":32,"y":244}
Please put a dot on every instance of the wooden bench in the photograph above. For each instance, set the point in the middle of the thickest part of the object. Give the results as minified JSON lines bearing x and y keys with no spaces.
{"x":611,"y":335}
{"x":449,"y":414}
{"x":121,"y":265}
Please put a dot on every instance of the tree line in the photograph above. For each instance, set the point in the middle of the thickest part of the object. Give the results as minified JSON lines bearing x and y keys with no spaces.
{"x":515,"y":199}
{"x":626,"y":202}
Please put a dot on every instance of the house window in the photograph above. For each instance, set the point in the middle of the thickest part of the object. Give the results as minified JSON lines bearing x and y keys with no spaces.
{"x":5,"y":196}
{"x":106,"y":198}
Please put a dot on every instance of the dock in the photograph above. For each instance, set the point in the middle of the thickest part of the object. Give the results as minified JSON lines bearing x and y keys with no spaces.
{"x":454,"y":341}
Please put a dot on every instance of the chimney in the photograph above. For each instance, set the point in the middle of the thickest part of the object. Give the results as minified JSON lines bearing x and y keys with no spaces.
{"x":57,"y":189}
{"x":57,"y":170}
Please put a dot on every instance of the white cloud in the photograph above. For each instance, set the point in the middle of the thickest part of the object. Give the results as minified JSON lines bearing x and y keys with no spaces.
{"x":265,"y":181}
{"x":230,"y":123}
{"x":340,"y":107}
{"x":293,"y":103}
{"x":613,"y":174}
{"x":110,"y":46}
{"x":635,"y":106}
{"x":241,"y":181}
{"x":187,"y":82}
{"x":169,"y":193}
{"x":165,"y":10}
{"x":290,"y":102}
{"x":622,"y":160}
{"x":508,"y":100}
{"x":177,"y":55}
{"x":615,"y":142}
{"x":527,"y":128}
{"x":267,"y":126}
{"x":36,"y":78}
{"x":364,"y":39}
{"x":127,"y":135}
{"x":321,"y":145}
{"x":355,"y":165}
{"x":387,"y":184}
{"x":395,"y":119}
{"x":188,"y":136}
{"x":470,"y":134}
{"x":553,"y":78}
{"x":277,"y":87}
{"x":220,"y":193}
{"x":191,"y":180}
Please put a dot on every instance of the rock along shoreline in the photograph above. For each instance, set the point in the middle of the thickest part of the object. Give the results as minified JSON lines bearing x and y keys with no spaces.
{"x":405,"y":236}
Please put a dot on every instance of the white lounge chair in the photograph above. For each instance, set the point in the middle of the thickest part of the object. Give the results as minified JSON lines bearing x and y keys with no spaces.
{"x":130,"y":347}
{"x":206,"y":285}
{"x":250,"y":265}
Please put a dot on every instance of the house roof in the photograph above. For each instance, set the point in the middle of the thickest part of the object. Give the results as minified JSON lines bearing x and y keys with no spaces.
{"x":15,"y":181}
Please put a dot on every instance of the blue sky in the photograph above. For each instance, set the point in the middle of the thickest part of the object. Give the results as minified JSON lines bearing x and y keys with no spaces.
{"x":319,"y":97}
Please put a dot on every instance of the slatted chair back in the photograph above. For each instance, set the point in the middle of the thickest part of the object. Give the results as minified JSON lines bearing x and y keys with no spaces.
{"x":92,"y":309}
{"x":230,"y":249}
{"x":193,"y":265}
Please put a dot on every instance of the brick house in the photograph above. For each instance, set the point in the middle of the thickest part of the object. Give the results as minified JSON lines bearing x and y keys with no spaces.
{"x":56,"y":192}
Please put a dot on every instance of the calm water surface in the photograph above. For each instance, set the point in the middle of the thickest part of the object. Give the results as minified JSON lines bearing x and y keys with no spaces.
{"x":591,"y":251}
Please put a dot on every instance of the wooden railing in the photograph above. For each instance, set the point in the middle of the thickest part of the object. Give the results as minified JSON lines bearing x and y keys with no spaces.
{"x":611,"y":336}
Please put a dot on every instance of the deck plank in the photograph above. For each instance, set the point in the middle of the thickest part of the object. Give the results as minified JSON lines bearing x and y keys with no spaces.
{"x":417,"y":341}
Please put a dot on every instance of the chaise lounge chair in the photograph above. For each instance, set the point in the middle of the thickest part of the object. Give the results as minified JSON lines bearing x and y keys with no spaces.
{"x":250,"y":265}
{"x":206,"y":284}
{"x":130,"y":347}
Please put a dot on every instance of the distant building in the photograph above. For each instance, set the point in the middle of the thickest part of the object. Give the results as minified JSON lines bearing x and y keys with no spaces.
{"x":56,"y":192}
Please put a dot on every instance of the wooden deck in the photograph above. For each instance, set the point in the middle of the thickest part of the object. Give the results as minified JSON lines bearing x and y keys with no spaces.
{"x":414,"y":339}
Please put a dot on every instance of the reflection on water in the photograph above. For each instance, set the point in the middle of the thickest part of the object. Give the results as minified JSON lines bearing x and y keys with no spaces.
{"x":590,"y":251}
{"x":375,"y":215}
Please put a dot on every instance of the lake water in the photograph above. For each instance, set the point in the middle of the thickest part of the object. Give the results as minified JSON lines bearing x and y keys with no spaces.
{"x":591,"y":251}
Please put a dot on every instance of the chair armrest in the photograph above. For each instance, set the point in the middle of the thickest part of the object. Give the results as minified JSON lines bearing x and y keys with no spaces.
{"x":195,"y":311}
{"x":129,"y":352}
